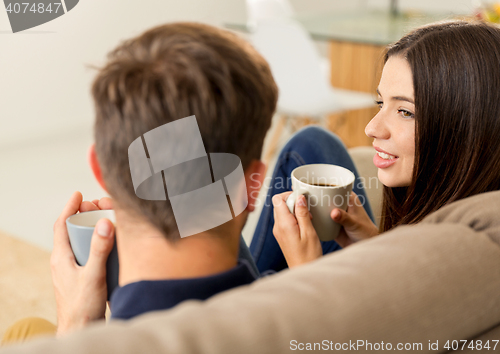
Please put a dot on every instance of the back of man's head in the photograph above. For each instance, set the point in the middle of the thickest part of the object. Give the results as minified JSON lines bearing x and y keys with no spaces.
{"x":172,"y":72}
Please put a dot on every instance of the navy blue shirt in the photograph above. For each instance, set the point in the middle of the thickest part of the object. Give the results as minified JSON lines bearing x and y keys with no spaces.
{"x":152,"y":295}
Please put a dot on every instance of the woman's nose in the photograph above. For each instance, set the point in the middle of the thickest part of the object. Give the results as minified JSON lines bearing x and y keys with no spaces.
{"x":376,"y":128}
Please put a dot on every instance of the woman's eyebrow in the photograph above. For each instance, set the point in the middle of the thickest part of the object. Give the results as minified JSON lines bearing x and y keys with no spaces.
{"x":403,"y":98}
{"x":399,"y":98}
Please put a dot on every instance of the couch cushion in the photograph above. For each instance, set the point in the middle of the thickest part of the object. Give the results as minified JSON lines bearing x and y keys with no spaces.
{"x":435,"y":281}
{"x":362,"y":156}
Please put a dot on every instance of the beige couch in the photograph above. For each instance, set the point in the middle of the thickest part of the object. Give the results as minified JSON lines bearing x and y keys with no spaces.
{"x":434,"y":282}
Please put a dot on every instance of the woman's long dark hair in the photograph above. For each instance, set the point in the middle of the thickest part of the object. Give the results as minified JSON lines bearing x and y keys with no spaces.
{"x":456,"y":81}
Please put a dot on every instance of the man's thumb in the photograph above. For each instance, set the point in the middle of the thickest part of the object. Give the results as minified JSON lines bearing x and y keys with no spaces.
{"x":101,"y":244}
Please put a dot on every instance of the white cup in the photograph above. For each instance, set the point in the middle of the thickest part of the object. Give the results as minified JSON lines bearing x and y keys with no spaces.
{"x":325,"y":187}
{"x":80,"y":230}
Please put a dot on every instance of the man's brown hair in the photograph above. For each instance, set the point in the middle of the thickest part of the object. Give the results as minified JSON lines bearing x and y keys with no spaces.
{"x":172,"y":72}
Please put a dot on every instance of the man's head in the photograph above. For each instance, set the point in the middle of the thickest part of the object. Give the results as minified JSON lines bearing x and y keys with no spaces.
{"x":172,"y":72}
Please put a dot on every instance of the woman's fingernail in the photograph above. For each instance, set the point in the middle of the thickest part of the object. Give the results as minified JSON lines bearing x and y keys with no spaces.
{"x":103,"y":229}
{"x":302,"y":201}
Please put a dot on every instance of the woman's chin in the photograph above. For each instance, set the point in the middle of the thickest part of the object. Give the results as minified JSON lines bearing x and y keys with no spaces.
{"x":392,"y":180}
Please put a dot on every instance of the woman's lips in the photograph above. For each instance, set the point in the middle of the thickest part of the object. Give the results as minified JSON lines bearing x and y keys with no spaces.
{"x":383,"y":159}
{"x":382,"y":163}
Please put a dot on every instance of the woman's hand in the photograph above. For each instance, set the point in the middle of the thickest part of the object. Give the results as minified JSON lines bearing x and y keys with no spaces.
{"x":356,"y":223}
{"x":295,"y":234}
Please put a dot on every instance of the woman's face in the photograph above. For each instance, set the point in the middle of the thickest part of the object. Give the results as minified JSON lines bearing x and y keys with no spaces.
{"x":393,"y":128}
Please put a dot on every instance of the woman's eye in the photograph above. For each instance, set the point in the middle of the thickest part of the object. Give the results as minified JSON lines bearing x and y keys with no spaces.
{"x":406,"y":114}
{"x":379,"y":104}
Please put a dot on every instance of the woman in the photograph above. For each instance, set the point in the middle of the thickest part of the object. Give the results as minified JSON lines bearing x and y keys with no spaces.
{"x":436,"y":135}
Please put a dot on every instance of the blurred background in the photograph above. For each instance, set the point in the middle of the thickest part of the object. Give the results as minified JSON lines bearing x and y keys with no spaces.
{"x":46,"y":112}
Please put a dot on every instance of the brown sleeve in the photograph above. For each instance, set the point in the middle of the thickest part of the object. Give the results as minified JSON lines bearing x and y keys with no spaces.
{"x":414,"y":284}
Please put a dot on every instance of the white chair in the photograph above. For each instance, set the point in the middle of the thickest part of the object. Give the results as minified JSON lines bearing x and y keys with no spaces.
{"x":304,"y":91}
{"x":296,"y":67}
{"x":275,"y":10}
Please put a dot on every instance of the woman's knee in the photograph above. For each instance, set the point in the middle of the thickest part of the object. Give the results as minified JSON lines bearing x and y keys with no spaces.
{"x":314,"y":135}
{"x":315,"y":141}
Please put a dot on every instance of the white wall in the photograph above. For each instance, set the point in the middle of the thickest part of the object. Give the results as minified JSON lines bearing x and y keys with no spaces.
{"x":44,"y":84}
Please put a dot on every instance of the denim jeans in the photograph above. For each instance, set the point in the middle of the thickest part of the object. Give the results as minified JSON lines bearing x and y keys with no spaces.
{"x":310,"y":145}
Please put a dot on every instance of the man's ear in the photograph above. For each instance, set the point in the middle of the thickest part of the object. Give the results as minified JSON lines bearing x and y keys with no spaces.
{"x":94,"y":165}
{"x":254,"y":178}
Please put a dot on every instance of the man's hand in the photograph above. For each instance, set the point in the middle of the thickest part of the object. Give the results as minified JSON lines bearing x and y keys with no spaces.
{"x":296,"y":236}
{"x":104,"y":203}
{"x":80,"y":291}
